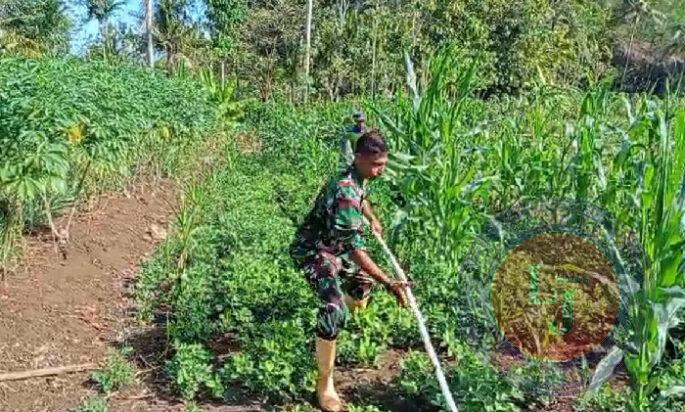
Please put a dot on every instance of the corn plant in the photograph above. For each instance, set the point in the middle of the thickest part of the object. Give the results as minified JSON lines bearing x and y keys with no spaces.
{"x":436,"y":157}
{"x":526,"y":157}
{"x":662,"y":198}
{"x":587,"y":170}
{"x":655,"y":306}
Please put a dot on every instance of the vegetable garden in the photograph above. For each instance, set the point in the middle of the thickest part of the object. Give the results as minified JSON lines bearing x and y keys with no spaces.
{"x":457,"y":165}
{"x":537,"y":206}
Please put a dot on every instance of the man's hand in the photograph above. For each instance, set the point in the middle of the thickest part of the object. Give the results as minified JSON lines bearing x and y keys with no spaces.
{"x":399,"y":290}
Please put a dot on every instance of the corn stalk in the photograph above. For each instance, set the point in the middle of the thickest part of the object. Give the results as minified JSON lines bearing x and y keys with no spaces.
{"x":435,"y":160}
{"x":655,"y":306}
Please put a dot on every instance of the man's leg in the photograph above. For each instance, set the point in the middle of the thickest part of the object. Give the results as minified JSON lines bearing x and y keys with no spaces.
{"x":322,"y":272}
{"x":357,"y":286}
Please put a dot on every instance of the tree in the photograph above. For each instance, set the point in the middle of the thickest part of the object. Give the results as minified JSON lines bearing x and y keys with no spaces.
{"x":273,"y":40}
{"x":125,"y":44}
{"x":176,"y":32}
{"x":225,"y":19}
{"x":102,"y":11}
{"x":35,"y":26}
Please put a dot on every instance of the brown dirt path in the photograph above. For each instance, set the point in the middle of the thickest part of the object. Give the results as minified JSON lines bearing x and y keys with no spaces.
{"x":57,"y":312}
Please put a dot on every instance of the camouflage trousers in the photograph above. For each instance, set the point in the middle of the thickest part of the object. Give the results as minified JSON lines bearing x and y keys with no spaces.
{"x":330,"y":276}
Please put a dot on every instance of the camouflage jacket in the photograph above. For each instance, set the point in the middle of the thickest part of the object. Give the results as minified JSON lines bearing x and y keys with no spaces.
{"x":335,"y":224}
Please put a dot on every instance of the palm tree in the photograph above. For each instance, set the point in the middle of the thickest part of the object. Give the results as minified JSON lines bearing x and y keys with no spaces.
{"x":174,"y":31}
{"x":102,"y":11}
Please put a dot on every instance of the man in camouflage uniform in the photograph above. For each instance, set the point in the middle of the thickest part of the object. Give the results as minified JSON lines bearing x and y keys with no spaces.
{"x":349,"y":138}
{"x":330,"y":249}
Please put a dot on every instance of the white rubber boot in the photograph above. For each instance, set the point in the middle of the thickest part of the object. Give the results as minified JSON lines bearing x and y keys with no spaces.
{"x":328,"y":398}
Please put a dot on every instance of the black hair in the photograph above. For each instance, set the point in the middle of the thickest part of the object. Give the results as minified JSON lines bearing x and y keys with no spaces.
{"x":371,"y":142}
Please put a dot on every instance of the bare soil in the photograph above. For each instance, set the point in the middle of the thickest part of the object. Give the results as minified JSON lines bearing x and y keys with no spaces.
{"x":61,"y":311}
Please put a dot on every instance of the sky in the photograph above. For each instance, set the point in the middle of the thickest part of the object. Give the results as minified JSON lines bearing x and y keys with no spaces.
{"x":86,"y":32}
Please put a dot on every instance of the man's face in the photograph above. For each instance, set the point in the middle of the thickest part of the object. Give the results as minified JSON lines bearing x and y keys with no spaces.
{"x":371,"y":166}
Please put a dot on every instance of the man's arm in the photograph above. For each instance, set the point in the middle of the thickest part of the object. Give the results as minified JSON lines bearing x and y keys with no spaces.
{"x":368,"y":212}
{"x":395,"y":287}
{"x":361,"y":258}
{"x":373,"y":220}
{"x":347,"y":226}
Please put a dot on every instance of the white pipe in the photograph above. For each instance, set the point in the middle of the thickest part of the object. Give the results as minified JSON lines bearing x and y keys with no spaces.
{"x":308,"y":47}
{"x":422,"y":327}
{"x":148,"y":27}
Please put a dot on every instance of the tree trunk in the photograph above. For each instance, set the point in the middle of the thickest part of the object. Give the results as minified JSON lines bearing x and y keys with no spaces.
{"x":148,"y":28}
{"x":308,"y":46}
{"x":223,"y":73}
{"x":170,"y":61}
{"x":373,"y":58}
{"x":103,"y":34}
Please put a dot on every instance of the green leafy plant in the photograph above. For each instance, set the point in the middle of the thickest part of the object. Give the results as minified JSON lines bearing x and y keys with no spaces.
{"x":537,"y":379}
{"x":117,"y":373}
{"x":192,"y":407}
{"x":240,"y":316}
{"x":192,"y":371}
{"x":435,"y":159}
{"x":654,"y":305}
{"x":364,"y":408}
{"x":229,"y":107}
{"x":605,"y":399}
{"x":96,"y":404}
{"x":475,"y":384}
{"x":73,"y":128}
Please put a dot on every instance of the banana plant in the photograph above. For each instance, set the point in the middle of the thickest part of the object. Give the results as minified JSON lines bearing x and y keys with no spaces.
{"x":230,"y":110}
